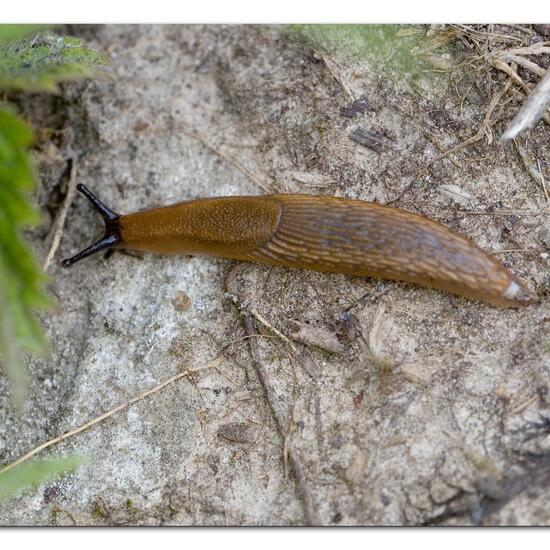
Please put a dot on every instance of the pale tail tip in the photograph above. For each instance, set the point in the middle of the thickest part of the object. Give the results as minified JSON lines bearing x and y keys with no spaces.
{"x":519,"y":294}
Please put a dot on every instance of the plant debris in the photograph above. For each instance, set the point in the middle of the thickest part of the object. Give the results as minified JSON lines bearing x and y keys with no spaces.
{"x":371,"y":140}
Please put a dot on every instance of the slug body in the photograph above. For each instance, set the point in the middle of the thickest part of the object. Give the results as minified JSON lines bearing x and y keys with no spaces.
{"x":320,"y":233}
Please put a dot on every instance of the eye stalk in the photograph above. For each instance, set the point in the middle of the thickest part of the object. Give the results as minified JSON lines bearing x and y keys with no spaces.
{"x":112,"y":231}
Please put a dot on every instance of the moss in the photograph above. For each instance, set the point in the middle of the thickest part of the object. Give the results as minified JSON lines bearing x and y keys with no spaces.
{"x":402,"y":52}
{"x":39,"y":63}
{"x":98,"y":510}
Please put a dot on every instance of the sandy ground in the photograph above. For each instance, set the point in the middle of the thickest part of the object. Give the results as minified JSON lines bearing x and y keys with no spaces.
{"x":423,"y":408}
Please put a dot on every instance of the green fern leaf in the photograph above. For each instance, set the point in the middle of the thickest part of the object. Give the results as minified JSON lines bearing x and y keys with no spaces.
{"x":21,"y":279}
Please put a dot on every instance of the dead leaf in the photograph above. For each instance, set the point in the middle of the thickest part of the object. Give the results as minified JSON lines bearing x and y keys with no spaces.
{"x":238,"y":432}
{"x":319,"y":337}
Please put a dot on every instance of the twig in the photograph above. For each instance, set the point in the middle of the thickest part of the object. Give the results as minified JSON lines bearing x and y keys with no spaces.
{"x":286,"y":448}
{"x":59,"y":223}
{"x":332,"y":69}
{"x":523,"y":405}
{"x":310,"y":509}
{"x":432,"y":138}
{"x":485,"y":128}
{"x":191,"y":132}
{"x":97,"y":419}
{"x":527,"y":63}
{"x":510,"y":250}
{"x":543,"y":183}
{"x":520,"y":250}
{"x":535,"y":49}
{"x":507,"y":212}
{"x":537,"y":176}
{"x":259,"y":318}
{"x":505,"y":68}
{"x":482,"y":34}
{"x":532,"y":110}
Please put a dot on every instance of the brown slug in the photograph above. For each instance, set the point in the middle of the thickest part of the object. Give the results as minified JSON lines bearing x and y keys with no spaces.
{"x":314,"y":232}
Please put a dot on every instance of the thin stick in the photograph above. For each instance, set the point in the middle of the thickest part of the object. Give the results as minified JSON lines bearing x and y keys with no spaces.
{"x":532,"y":110}
{"x":505,"y":68}
{"x":109,"y":413}
{"x":535,"y":49}
{"x":62,"y":213}
{"x":332,"y":69}
{"x":523,"y":405}
{"x":482,"y":34}
{"x":259,"y":318}
{"x":531,"y":65}
{"x":510,"y":250}
{"x":251,"y":330}
{"x":537,"y":176}
{"x":191,"y":132}
{"x":310,"y":509}
{"x":485,"y":128}
{"x":508,"y":212}
{"x":543,"y":183}
{"x":242,"y":338}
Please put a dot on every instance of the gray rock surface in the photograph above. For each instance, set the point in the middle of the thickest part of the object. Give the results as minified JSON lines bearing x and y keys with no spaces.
{"x":431,"y":410}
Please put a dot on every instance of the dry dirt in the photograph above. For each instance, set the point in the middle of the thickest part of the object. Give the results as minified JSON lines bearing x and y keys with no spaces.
{"x":425,"y":408}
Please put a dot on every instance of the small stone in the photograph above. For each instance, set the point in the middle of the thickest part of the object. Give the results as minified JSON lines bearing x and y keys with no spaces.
{"x":371,"y":140}
{"x":181,"y":301}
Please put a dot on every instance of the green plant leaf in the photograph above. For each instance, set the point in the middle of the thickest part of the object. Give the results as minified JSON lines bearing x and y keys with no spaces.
{"x":21,"y":279}
{"x":29,"y":63}
{"x":41,"y":62}
{"x":31,"y":474}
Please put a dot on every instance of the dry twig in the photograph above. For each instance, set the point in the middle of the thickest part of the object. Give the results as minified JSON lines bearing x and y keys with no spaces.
{"x":523,"y":405}
{"x":309,"y":506}
{"x":507,"y":212}
{"x":543,"y":183}
{"x":333,"y":68}
{"x":255,"y":178}
{"x":529,"y":166}
{"x":532,"y":110}
{"x":484,"y":129}
{"x":310,"y":509}
{"x":104,"y":416}
{"x":267,"y":324}
{"x":59,"y":223}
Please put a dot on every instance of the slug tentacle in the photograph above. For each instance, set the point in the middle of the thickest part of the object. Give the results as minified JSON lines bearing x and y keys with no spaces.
{"x":328,"y":234}
{"x":112,"y":231}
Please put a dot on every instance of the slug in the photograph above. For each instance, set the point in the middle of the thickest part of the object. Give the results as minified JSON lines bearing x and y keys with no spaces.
{"x":316,"y":232}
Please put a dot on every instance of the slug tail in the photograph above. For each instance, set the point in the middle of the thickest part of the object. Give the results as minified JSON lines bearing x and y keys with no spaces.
{"x":517,"y":294}
{"x":112,"y":229}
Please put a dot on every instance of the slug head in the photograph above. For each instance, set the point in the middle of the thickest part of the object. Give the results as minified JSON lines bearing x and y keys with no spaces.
{"x":112,"y":231}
